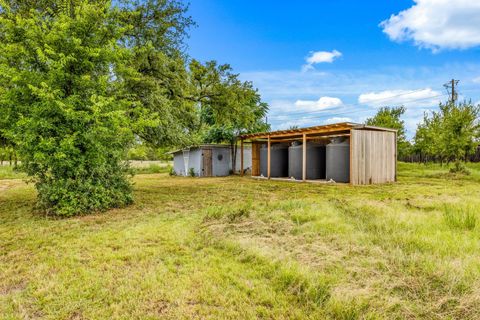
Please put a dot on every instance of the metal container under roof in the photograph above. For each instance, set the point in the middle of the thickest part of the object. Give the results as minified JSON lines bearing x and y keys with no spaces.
{"x":338,"y":160}
{"x":316,"y":161}
{"x":278,"y":160}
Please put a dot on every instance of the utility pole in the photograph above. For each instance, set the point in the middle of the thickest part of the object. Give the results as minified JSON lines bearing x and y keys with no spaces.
{"x":450,"y":86}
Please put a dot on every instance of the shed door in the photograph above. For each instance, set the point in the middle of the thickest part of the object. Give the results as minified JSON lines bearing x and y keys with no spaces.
{"x":207,"y":162}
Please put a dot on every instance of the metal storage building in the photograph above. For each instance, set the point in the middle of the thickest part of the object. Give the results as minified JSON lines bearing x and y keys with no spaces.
{"x":208,"y":160}
{"x":355,"y":153}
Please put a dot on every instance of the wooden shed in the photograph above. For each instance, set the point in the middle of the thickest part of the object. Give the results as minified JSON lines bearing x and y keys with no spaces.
{"x":371,"y":156}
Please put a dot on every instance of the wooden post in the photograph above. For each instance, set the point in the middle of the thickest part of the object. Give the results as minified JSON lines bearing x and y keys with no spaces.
{"x":268,"y":158}
{"x":241,"y":158}
{"x":396,"y":155}
{"x":304,"y":158}
{"x":351,"y":158}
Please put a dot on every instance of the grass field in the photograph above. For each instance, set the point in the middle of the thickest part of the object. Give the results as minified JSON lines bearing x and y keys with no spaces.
{"x":231,"y":248}
{"x":7,"y":172}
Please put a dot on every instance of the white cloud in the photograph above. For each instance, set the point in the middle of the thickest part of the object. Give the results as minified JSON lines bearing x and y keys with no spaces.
{"x":281,"y":88}
{"x":302,"y":122}
{"x":476,"y":80}
{"x":321,"y":104}
{"x":420,"y":97}
{"x":437,"y":24}
{"x":337,"y":120}
{"x":316,"y":57}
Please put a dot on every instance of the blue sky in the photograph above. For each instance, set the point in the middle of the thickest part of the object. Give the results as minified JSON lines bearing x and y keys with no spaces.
{"x":319,"y":62}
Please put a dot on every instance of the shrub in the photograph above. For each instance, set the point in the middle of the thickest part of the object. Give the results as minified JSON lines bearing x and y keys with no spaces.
{"x":230,"y":213}
{"x":171,"y":171}
{"x":214,"y":213}
{"x":238,"y":213}
{"x":191,"y":172}
{"x":459,"y":167}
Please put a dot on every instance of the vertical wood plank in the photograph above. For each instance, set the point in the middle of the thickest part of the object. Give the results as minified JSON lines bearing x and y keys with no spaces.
{"x":396,"y":156}
{"x":351,"y":158}
{"x":369,"y":149}
{"x":268,"y":157}
{"x":373,"y":157}
{"x":207,"y":162}
{"x":304,"y":158}
{"x":241,"y":158}
{"x":255,"y":158}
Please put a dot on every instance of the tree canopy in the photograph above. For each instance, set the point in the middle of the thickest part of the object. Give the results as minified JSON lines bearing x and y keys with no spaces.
{"x":451,"y":133}
{"x":82,"y":80}
{"x":228,"y":107}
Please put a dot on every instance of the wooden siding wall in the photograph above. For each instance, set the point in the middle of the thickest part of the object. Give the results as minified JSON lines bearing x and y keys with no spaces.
{"x":373,"y":157}
{"x":255,"y":159}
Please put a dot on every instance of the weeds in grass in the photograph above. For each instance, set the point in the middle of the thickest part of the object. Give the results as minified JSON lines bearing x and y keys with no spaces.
{"x":460,"y":217}
{"x":460,"y":168}
{"x":153,"y":168}
{"x":214,"y":213}
{"x":302,"y":286}
{"x":230,"y":213}
{"x":305,"y":289}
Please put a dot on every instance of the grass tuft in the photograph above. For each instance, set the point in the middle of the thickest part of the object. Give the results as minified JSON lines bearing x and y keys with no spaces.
{"x":460,"y":217}
{"x":231,"y":213}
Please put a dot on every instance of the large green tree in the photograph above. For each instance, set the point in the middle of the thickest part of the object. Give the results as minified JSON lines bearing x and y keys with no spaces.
{"x":391,"y":117}
{"x":60,"y":92}
{"x":157,"y":79}
{"x":80,"y":80}
{"x":227,"y":106}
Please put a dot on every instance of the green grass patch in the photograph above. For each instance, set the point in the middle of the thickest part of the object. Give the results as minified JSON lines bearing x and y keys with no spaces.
{"x":239,"y":248}
{"x":151,"y":169}
{"x":461,"y":217}
{"x":9,"y":172}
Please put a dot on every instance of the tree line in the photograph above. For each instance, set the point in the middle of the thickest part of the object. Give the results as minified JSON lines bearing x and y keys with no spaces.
{"x":451,"y":134}
{"x":82,"y":81}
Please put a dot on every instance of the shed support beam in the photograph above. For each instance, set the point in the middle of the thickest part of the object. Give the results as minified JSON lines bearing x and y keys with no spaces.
{"x":241,"y":158}
{"x":304,"y":158}
{"x":268,"y":157}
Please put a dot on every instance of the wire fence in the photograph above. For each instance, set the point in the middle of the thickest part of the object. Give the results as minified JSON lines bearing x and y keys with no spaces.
{"x":421,"y":158}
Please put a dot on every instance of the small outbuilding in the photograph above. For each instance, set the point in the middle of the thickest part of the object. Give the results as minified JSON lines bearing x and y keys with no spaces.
{"x":209,"y":160}
{"x":342,"y":152}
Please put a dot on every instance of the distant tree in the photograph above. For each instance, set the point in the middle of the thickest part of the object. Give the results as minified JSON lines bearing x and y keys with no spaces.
{"x":451,"y":133}
{"x":390,"y":117}
{"x":427,"y":136}
{"x":228,"y":107}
